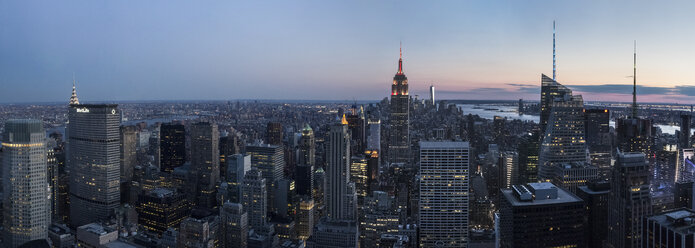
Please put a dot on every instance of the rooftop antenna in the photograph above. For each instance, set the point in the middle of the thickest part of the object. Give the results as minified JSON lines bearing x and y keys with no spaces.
{"x":554,"y":63}
{"x":634,"y":82}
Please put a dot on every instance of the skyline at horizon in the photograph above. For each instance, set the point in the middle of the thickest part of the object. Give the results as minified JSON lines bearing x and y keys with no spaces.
{"x":130,"y":52}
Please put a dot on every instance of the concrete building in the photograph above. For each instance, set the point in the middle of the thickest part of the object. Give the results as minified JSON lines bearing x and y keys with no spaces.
{"x":234,"y":225}
{"x":630,"y":200}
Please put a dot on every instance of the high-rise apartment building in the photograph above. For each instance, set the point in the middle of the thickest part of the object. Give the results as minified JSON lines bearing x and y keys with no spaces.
{"x":444,"y":170}
{"x":93,"y":161}
{"x":25,"y":199}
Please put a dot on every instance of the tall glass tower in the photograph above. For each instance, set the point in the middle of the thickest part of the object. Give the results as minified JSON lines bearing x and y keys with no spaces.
{"x":26,"y":201}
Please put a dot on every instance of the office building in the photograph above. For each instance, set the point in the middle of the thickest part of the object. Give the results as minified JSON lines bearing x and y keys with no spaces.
{"x":635,"y":135}
{"x":304,"y":179}
{"x":374,"y":135}
{"x":358,"y":176}
{"x":673,"y":229}
{"x":596,"y":196}
{"x":571,"y":175}
{"x":357,"y":126}
{"x":630,"y":200}
{"x":334,"y":234}
{"x":529,"y":147}
{"x":237,"y":166}
{"x":305,"y":218}
{"x":93,"y":162}
{"x":399,"y":141}
{"x":274,"y":133}
{"x":161,"y":209}
{"x":685,"y":132}
{"x":307,"y":147}
{"x":550,"y":90}
{"x":444,"y":170}
{"x":270,"y":161}
{"x":340,"y":198}
{"x":254,"y":198}
{"x":172,"y":145}
{"x":234,"y":225}
{"x":26,"y":201}
{"x":540,"y":215}
{"x":564,"y":136}
{"x":199,"y":230}
{"x":597,"y":130}
{"x":205,"y":164}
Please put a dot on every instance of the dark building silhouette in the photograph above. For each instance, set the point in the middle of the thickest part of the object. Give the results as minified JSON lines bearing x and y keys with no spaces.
{"x":595,"y":196}
{"x":161,"y":209}
{"x":540,"y":215}
{"x":685,"y":131}
{"x":596,"y":124}
{"x":274,"y":133}
{"x":630,"y":200}
{"x":172,"y":143}
{"x":635,"y":135}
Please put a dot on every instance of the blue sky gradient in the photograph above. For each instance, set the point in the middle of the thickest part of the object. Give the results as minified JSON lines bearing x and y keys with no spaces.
{"x":342,"y":50}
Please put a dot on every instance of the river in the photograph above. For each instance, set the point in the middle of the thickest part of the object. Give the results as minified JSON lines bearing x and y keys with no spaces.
{"x":489,"y":111}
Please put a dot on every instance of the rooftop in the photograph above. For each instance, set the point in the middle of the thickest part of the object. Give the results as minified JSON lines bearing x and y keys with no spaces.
{"x":679,"y":220}
{"x":562,"y":195}
{"x":443,"y":144}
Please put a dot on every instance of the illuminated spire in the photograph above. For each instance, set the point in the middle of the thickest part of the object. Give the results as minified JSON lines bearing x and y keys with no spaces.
{"x":343,"y":120}
{"x":400,"y":61}
{"x":634,"y":82}
{"x":554,"y":64}
{"x":73,"y":98}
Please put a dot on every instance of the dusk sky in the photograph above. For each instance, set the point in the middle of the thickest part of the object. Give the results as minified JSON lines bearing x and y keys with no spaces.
{"x":342,"y":50}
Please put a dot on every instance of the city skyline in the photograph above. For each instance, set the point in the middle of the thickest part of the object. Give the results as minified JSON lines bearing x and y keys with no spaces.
{"x":274,"y":50}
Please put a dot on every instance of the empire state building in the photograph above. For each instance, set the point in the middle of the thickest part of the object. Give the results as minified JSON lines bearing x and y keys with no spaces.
{"x":399,"y":142}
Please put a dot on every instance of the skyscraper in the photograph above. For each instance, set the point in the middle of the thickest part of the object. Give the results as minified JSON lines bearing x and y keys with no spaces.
{"x":540,"y":215}
{"x":550,"y":89}
{"x":529,"y":147}
{"x":357,"y":126}
{"x":674,"y":228}
{"x":596,"y":196}
{"x":94,"y":161}
{"x":26,"y":202}
{"x":597,"y":130}
{"x":685,"y":131}
{"x":399,"y":142}
{"x":307,"y":147}
{"x":128,"y":153}
{"x":254,"y":198}
{"x":432,"y":95}
{"x":274,"y":133}
{"x":444,"y":169}
{"x":172,"y":144}
{"x":630,"y":200}
{"x":563,"y":140}
{"x":205,"y":163}
{"x":339,"y":227}
{"x":340,"y":192}
{"x":269,"y":160}
{"x":237,"y":166}
{"x":635,"y":135}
